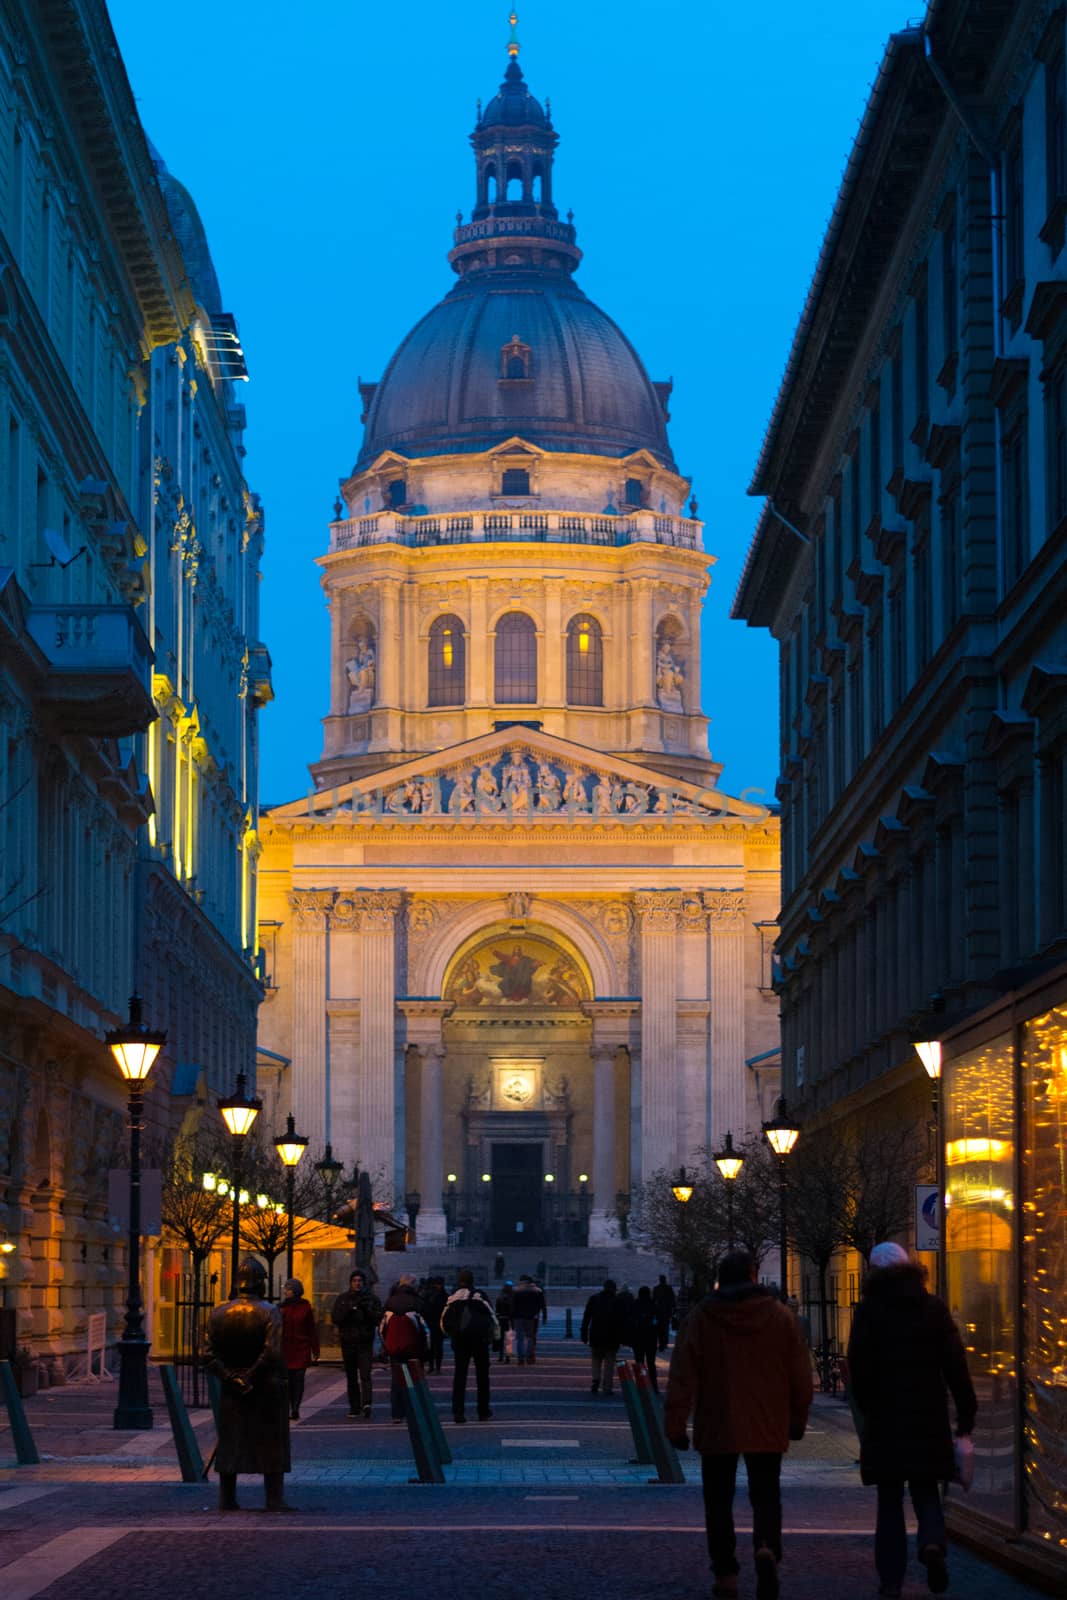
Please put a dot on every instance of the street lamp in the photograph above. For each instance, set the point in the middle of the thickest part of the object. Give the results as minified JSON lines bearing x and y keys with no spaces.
{"x":782,"y":1133}
{"x":929,"y":1052}
{"x":683,"y":1189}
{"x":729,"y":1162}
{"x":290,"y":1146}
{"x":238,"y":1112}
{"x":134,"y":1048}
{"x":329,"y":1170}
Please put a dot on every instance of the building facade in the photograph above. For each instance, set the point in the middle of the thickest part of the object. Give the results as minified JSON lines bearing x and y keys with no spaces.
{"x":130,"y":669}
{"x":910,"y":563}
{"x":516,"y":936}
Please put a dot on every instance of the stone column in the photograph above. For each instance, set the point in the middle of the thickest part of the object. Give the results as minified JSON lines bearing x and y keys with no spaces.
{"x":388,"y":644}
{"x":377,"y":1089}
{"x":603,"y":1225}
{"x":726,"y":931}
{"x":431,"y":1225}
{"x":553,"y":648}
{"x":310,"y":1094}
{"x":658,"y":911}
{"x":479,"y":645}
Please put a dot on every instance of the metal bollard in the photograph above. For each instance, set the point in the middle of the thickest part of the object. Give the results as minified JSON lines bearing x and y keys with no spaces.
{"x":568,"y":1324}
{"x":190,"y":1460}
{"x":21,"y":1437}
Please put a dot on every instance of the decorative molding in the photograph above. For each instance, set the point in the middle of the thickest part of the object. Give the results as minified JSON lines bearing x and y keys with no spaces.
{"x":311,"y":906}
{"x":658,"y":909}
{"x":377,"y":907}
{"x":344,"y":913}
{"x":725,"y":908}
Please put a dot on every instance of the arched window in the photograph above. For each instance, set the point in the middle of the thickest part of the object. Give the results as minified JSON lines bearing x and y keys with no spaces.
{"x":585,"y":662}
{"x":447,"y":662}
{"x":490,"y":185}
{"x":516,"y":660}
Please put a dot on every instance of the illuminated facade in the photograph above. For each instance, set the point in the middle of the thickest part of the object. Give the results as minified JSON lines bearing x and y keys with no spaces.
{"x":516,"y":934}
{"x":129,"y":668}
{"x":910,"y":564}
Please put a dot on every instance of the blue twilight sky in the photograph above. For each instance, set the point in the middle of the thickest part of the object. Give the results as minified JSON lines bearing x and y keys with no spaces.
{"x":326,"y":147}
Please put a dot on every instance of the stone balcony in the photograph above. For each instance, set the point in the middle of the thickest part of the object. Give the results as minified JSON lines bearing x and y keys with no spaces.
{"x":516,"y":526}
{"x":100,"y":668}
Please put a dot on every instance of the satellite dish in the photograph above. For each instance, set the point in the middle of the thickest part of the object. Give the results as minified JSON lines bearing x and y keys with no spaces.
{"x":58,"y":548}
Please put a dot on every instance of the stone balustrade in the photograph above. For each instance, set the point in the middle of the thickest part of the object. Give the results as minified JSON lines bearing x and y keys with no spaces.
{"x":519,"y":526}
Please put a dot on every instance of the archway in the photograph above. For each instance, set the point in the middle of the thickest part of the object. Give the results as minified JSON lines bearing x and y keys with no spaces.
{"x":517,"y":1088}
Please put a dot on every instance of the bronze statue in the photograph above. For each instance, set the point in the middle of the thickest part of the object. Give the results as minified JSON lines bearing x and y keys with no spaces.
{"x":244,"y":1350}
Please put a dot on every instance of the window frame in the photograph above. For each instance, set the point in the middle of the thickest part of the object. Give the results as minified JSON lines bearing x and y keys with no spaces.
{"x":590,"y":667}
{"x":443,"y":681}
{"x":506,"y":640}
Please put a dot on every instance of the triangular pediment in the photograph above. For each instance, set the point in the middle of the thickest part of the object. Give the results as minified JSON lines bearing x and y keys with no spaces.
{"x":519,"y":774}
{"x":515,"y":446}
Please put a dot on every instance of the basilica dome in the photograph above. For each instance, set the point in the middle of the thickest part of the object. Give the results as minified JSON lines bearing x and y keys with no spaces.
{"x":582,"y":386}
{"x":516,"y":347}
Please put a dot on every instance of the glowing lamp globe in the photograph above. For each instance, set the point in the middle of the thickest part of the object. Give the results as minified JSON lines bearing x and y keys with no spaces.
{"x":781,"y":1133}
{"x":683,"y":1189}
{"x":290,"y":1145}
{"x":135,"y":1047}
{"x":729,"y":1161}
{"x":238,"y":1110}
{"x":929,"y":1052}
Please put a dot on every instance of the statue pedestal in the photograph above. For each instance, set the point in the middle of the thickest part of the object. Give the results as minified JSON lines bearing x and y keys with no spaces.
{"x":431,"y":1228}
{"x":604,"y":1230}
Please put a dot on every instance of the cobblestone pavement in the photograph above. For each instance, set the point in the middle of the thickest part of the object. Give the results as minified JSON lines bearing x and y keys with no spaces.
{"x":541,"y":1499}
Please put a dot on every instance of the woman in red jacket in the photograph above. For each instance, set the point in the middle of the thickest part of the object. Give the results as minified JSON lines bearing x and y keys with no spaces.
{"x":300,"y":1341}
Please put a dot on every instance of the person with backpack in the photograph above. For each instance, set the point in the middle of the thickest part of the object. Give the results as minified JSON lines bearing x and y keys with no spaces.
{"x":470,"y":1322}
{"x":356,"y":1315}
{"x":642,"y":1333}
{"x":528,"y":1304}
{"x":603,"y":1330}
{"x":405,"y":1338}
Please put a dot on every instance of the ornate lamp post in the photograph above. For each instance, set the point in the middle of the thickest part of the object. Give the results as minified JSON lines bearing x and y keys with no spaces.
{"x":134,"y":1048}
{"x":929,"y":1052}
{"x":450,"y":1201}
{"x":238,"y":1112}
{"x":729,"y":1162}
{"x":329,"y":1170}
{"x":782,"y":1133}
{"x":290,"y":1146}
{"x":683,"y":1193}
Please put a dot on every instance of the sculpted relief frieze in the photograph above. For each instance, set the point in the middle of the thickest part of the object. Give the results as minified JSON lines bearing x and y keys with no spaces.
{"x":522,"y":786}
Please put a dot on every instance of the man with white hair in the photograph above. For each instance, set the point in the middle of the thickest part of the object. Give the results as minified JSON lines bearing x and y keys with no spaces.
{"x":905,"y":1356}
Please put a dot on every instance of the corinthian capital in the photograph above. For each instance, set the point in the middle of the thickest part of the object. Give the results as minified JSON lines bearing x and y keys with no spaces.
{"x":725,"y":909}
{"x":658,"y":909}
{"x":311,"y":906}
{"x":377,"y":908}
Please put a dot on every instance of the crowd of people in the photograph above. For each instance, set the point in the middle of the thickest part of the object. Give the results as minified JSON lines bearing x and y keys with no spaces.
{"x":740,"y":1375}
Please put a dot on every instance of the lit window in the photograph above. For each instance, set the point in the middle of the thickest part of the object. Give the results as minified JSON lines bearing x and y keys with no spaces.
{"x":585,"y":662}
{"x":447,"y":662}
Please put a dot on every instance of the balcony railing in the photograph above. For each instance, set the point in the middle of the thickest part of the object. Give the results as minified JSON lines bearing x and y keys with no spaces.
{"x":101,"y":664}
{"x":519,"y":527}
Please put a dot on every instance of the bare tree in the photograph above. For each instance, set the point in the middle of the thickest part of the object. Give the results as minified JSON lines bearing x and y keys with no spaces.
{"x":885,"y":1164}
{"x":698,"y":1233}
{"x":820,"y":1175}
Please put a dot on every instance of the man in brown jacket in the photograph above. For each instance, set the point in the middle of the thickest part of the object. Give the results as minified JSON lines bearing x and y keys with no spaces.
{"x":741,"y":1367}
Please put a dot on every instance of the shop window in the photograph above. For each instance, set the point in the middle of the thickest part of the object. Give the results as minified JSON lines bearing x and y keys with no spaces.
{"x":981,"y":1217}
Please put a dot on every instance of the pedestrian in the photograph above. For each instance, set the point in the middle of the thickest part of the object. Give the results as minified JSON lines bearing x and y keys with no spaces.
{"x":405,"y":1338}
{"x":664,"y":1302}
{"x":300,"y":1342}
{"x":356,"y":1315}
{"x":470,"y":1322}
{"x":740,"y":1366}
{"x":528,"y":1307}
{"x":642,"y":1333}
{"x":905,"y":1356}
{"x":504,"y":1307}
{"x":603,"y":1330}
{"x":499,"y":1267}
{"x":244,"y":1351}
{"x":432,"y":1302}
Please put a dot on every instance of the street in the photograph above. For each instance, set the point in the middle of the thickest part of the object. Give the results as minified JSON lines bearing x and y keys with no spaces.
{"x":542,"y":1499}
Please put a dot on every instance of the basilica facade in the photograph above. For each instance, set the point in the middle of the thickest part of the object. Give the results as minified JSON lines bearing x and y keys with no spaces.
{"x":517,"y":937}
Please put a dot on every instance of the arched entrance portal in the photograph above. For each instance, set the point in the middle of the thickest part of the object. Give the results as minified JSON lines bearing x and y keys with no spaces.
{"x":518,"y":1089}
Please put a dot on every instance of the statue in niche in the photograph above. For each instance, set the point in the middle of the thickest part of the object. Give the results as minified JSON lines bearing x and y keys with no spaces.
{"x":487,"y":790}
{"x":602,"y":798}
{"x":574,"y":796}
{"x":361,"y":669}
{"x":516,"y":785}
{"x":670,"y":677}
{"x":462,"y":797}
{"x":548,"y":788}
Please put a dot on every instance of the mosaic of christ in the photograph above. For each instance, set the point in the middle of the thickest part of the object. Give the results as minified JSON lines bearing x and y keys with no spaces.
{"x":510,"y":971}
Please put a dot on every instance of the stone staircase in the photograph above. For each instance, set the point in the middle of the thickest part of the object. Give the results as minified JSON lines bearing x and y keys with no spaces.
{"x":568,"y":1275}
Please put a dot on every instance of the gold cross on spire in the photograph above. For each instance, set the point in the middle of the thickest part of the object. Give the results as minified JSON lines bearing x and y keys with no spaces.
{"x":513,"y":42}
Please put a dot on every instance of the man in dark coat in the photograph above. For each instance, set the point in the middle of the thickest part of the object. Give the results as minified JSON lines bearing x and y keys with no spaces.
{"x":664,"y":1302}
{"x":603,"y":1330}
{"x":432,"y":1302}
{"x":244,"y":1351}
{"x":528,"y":1305}
{"x":470,"y":1322}
{"x":356,"y":1315}
{"x":740,"y":1365}
{"x":905,"y":1355}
